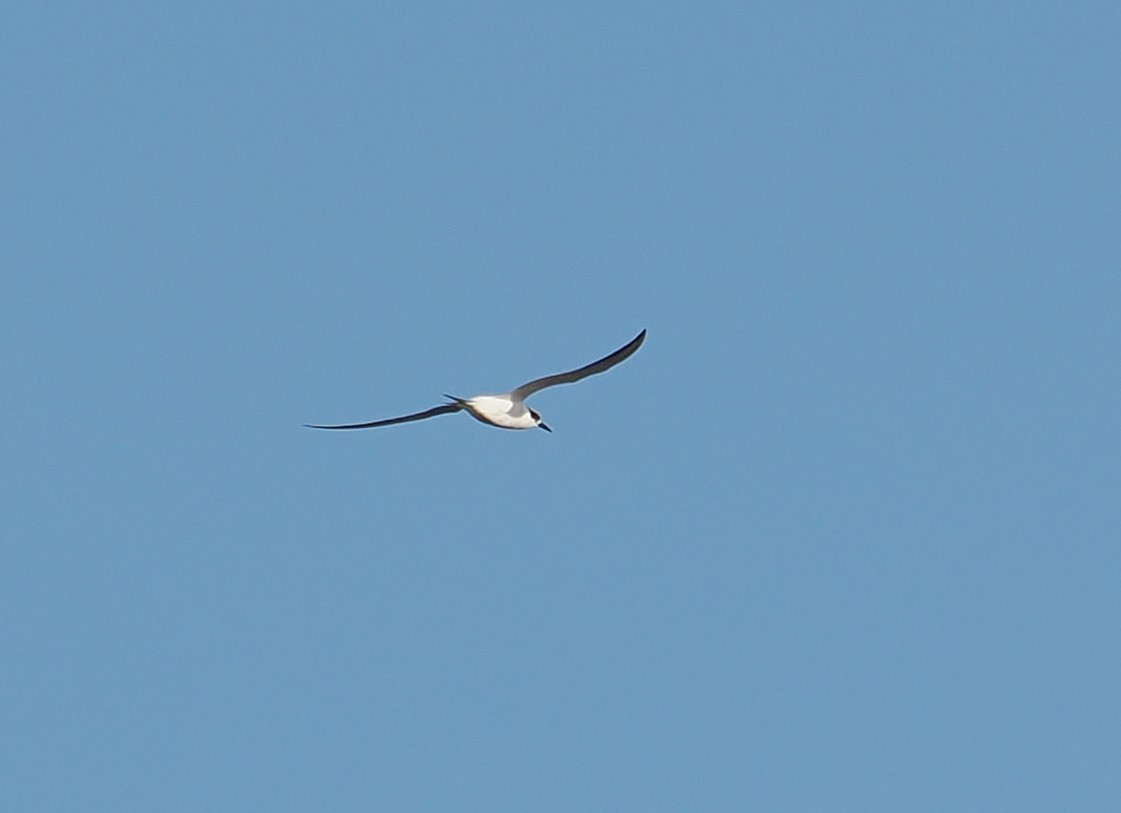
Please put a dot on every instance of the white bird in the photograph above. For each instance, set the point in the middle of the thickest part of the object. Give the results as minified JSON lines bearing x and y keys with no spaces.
{"x":508,"y":410}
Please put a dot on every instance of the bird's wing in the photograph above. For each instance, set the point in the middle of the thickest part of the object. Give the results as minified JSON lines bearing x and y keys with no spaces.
{"x":605,"y":363}
{"x":442,"y":409}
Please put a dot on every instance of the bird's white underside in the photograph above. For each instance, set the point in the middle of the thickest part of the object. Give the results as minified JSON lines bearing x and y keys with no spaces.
{"x":500,"y":410}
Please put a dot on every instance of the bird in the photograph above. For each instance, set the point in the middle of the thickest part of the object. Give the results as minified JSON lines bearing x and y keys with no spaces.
{"x":506,"y":410}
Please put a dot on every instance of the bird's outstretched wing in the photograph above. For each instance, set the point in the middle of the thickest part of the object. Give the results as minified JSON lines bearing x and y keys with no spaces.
{"x":443,"y":409}
{"x":605,"y":363}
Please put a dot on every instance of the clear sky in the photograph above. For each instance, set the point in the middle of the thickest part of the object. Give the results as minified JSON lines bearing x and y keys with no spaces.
{"x":845,"y":534}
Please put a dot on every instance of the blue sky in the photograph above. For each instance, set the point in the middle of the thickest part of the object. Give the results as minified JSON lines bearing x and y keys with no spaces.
{"x":843,"y":535}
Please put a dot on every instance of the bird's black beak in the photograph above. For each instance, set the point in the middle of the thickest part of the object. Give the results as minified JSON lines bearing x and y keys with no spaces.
{"x":541,"y":425}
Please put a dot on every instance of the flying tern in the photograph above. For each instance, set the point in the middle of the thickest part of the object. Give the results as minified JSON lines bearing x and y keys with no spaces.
{"x":508,"y":410}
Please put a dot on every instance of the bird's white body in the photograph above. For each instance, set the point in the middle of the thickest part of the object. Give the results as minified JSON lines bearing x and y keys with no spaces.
{"x":507,"y":411}
{"x":501,"y":411}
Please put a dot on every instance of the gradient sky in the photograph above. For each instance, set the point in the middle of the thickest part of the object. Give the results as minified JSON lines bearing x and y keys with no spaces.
{"x":845,"y":534}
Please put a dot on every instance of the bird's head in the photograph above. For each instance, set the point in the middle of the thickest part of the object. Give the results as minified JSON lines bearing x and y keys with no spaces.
{"x":537,"y":420}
